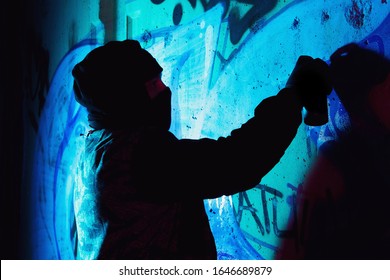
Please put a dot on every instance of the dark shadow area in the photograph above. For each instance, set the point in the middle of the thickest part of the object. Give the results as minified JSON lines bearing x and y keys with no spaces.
{"x":345,"y":199}
{"x":11,"y":135}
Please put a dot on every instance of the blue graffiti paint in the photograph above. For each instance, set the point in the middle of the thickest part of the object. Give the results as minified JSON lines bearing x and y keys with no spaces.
{"x":61,"y":122}
{"x":239,"y":22}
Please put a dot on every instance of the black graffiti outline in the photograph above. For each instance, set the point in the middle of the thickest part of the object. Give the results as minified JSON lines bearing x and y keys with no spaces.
{"x":237,"y":24}
{"x":295,"y":231}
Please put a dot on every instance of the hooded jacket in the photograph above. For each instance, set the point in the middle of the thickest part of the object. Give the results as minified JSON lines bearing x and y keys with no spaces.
{"x":141,"y":189}
{"x":149,"y":186}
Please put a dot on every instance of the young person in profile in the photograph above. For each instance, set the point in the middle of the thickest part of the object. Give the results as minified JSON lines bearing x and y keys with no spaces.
{"x":141,"y":190}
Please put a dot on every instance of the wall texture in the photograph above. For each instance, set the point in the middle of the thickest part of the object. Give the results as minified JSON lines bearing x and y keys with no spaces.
{"x":220,"y":58}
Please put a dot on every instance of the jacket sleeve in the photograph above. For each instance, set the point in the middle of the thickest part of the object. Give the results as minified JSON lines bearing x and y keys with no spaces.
{"x":211,"y":168}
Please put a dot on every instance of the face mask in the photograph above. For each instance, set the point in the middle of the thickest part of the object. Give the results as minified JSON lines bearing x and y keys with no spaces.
{"x":160,"y":110}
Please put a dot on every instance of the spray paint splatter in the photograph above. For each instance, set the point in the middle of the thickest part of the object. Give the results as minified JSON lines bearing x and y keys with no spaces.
{"x":356,"y":13}
{"x":146,"y":36}
{"x":295,"y":24}
{"x":324,"y":17}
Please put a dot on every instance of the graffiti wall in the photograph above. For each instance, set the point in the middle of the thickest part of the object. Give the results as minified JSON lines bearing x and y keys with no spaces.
{"x":220,"y":58}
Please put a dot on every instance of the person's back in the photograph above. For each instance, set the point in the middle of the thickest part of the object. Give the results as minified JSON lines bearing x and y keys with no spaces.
{"x":145,"y":224}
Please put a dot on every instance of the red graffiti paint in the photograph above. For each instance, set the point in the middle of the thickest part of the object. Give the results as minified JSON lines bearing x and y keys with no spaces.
{"x":357,"y":12}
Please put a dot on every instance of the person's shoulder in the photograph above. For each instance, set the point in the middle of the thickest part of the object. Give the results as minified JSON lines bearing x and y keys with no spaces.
{"x":155,"y":134}
{"x":97,"y":139}
{"x":142,"y":135}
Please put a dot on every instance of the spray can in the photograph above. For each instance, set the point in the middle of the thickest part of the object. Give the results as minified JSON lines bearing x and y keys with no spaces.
{"x":316,"y":109}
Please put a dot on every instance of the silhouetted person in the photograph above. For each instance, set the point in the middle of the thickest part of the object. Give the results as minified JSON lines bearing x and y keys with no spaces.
{"x":345,"y":200}
{"x":142,"y":189}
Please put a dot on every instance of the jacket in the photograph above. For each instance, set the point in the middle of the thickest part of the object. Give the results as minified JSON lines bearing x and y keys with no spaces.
{"x":147,"y":187}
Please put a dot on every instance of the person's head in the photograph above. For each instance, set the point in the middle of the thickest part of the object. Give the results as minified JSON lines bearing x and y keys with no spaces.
{"x":357,"y":74}
{"x":120,"y":85}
